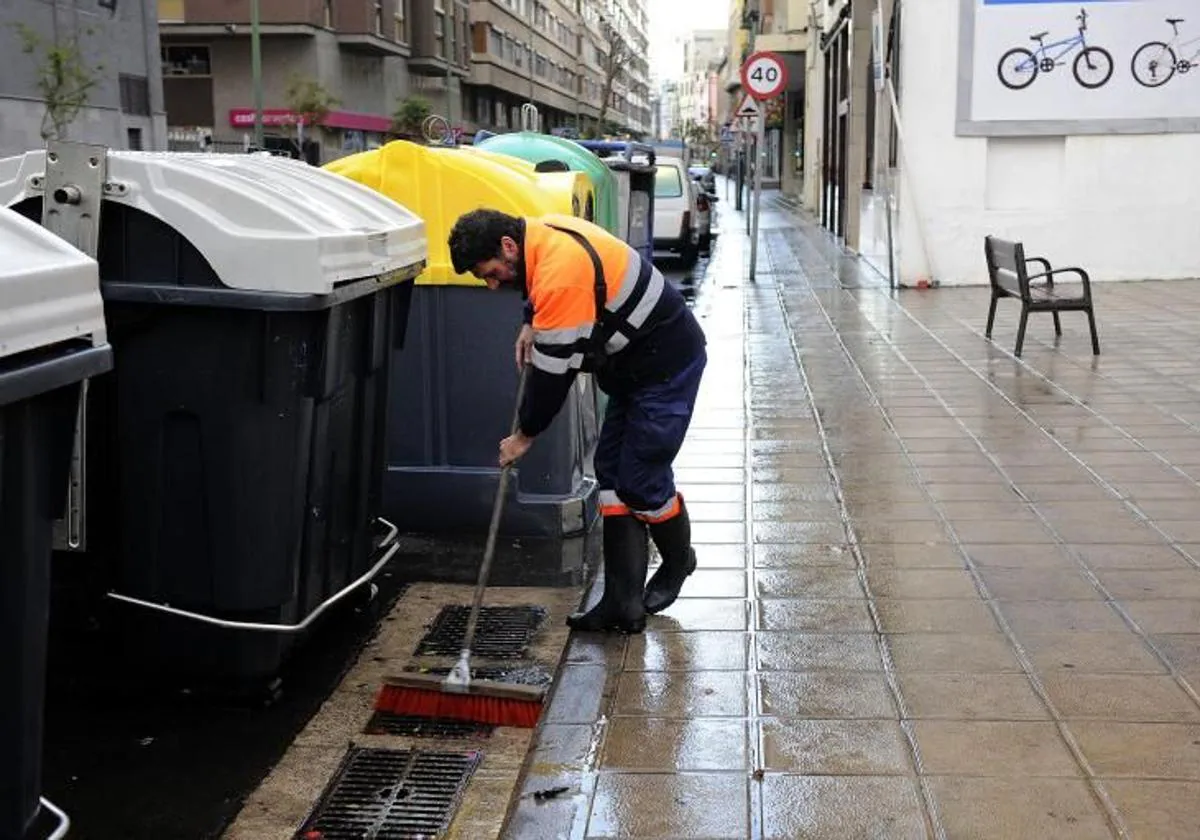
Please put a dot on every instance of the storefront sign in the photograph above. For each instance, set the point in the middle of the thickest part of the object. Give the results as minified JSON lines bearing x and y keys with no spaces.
{"x":1068,"y":67}
{"x":281,"y":117}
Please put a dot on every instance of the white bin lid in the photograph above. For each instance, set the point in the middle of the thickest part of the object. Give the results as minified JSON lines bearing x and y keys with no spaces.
{"x":264,"y":223}
{"x":49,"y":290}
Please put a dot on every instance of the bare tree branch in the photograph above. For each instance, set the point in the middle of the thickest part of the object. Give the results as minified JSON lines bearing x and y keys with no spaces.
{"x":617,"y":53}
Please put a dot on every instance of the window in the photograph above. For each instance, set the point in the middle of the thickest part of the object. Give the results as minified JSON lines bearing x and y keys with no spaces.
{"x":135,"y":95}
{"x":378,"y":18}
{"x":180,"y":60}
{"x":496,"y":43}
{"x":133,"y":137}
{"x":667,"y":183}
{"x":400,"y":24}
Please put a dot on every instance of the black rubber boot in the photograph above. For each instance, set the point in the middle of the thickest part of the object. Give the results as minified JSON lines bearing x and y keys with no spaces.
{"x":674,"y":541}
{"x":626,"y":556}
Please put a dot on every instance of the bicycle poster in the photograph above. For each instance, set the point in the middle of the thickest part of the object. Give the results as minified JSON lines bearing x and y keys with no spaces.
{"x":1079,"y":67}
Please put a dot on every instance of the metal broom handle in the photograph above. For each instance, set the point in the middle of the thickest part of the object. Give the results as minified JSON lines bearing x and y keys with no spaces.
{"x":489,"y":551}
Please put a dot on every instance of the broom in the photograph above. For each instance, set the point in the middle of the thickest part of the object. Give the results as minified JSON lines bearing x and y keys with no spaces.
{"x":457,"y":696}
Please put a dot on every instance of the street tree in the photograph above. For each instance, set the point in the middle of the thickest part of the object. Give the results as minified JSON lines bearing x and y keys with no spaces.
{"x":65,"y":79}
{"x":410,"y":114}
{"x":617,"y":52}
{"x":309,"y":102}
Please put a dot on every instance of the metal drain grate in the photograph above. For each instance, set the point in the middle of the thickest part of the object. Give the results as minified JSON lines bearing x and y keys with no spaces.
{"x":390,"y":795}
{"x":386,"y":723}
{"x":503,"y":632}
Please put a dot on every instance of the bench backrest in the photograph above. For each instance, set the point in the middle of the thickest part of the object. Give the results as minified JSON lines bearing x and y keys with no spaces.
{"x":1006,"y":266}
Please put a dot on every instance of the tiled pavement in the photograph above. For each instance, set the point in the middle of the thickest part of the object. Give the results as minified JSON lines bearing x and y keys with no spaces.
{"x":943,"y":593}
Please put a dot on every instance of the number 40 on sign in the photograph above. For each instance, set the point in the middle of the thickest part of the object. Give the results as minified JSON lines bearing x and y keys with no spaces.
{"x":764,"y":76}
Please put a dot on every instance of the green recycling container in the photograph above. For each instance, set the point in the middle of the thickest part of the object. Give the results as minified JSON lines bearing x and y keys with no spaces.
{"x":540,"y":148}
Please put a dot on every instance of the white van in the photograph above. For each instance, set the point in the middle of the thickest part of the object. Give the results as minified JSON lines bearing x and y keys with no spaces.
{"x":676,"y":217}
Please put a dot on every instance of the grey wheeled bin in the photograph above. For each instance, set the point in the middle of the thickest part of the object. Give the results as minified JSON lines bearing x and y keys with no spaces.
{"x":235,"y":458}
{"x":632,"y":165}
{"x":52,"y":338}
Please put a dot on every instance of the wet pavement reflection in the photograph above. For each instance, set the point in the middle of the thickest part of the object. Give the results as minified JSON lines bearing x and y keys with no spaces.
{"x":942,"y":592}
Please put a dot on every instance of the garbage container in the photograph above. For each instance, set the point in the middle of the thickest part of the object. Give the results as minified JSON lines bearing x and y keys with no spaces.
{"x":234,"y":475}
{"x":52,"y":337}
{"x":570,"y":190}
{"x":540,"y":148}
{"x":632,"y":164}
{"x":454,"y":387}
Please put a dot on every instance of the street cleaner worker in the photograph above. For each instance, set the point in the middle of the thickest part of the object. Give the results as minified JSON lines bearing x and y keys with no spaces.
{"x":594,"y":305}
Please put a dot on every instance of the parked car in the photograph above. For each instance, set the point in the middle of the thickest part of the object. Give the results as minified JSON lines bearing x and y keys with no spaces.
{"x":676,"y":211}
{"x":705,"y":175}
{"x":706,"y":200}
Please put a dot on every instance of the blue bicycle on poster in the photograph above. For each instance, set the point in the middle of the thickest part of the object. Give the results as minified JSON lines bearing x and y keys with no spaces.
{"x":1093,"y":66}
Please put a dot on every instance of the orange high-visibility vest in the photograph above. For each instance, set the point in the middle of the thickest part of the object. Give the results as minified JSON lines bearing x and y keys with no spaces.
{"x":561,"y":283}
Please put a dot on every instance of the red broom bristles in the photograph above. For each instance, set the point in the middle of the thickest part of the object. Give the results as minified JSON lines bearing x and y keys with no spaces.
{"x":430,"y":703}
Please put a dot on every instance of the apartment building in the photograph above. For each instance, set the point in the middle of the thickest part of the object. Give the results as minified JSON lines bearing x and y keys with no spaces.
{"x":115,"y":46}
{"x":703,"y":52}
{"x":670,"y":122}
{"x":553,"y":53}
{"x":368,"y":54}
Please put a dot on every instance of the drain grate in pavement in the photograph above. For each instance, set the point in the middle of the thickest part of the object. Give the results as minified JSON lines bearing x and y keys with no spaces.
{"x":386,"y":723}
{"x":390,"y":794}
{"x":502,"y":633}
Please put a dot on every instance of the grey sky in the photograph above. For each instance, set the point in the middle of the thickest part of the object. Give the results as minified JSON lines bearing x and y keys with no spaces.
{"x":670,"y":20}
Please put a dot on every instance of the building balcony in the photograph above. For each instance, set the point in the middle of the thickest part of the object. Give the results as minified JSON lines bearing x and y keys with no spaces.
{"x":794,"y":41}
{"x":435,"y":65}
{"x":364,"y":43}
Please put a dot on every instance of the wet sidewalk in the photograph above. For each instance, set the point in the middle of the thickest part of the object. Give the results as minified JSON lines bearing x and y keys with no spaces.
{"x":942,"y":592}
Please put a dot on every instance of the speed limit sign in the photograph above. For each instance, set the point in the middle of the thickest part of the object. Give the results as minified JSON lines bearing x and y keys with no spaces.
{"x":764,"y":75}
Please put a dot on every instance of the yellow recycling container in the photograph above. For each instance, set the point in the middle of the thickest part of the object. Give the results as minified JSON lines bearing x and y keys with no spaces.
{"x":453,"y":384}
{"x":439,"y":184}
{"x":573,"y":191}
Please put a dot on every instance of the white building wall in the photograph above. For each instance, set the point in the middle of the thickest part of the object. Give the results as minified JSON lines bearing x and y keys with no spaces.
{"x":1121,"y":206}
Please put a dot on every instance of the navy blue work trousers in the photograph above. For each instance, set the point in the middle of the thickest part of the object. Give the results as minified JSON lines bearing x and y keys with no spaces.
{"x":642,"y":433}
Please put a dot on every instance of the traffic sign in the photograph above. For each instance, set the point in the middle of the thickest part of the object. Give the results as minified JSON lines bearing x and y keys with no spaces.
{"x":747,"y":110}
{"x":764,"y":75}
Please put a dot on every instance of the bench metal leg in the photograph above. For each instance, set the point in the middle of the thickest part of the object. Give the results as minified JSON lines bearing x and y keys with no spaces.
{"x":1021,"y":331}
{"x":991,"y":316}
{"x":1095,"y":337}
{"x":1057,"y":325}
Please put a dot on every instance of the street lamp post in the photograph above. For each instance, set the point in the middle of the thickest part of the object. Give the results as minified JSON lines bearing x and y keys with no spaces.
{"x":256,"y":73}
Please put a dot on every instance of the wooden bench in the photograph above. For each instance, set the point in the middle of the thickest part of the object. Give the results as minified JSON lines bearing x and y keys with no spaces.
{"x":1008,"y":272}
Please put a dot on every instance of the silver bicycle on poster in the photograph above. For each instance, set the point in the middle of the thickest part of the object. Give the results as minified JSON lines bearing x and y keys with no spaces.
{"x":1092,"y":68}
{"x":1156,"y":63}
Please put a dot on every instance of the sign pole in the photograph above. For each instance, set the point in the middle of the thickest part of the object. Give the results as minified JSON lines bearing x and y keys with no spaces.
{"x":760,"y":141}
{"x":764,"y":77}
{"x":751,"y":160}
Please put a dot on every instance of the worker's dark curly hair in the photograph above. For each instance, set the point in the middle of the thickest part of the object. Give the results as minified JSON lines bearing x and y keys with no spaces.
{"x":476,"y":237}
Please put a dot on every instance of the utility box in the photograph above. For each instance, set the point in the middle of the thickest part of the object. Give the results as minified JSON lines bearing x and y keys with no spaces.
{"x":52,"y":339}
{"x":235,"y":465}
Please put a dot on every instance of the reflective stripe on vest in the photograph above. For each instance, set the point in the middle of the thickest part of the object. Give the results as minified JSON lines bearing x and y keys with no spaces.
{"x":560,"y":350}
